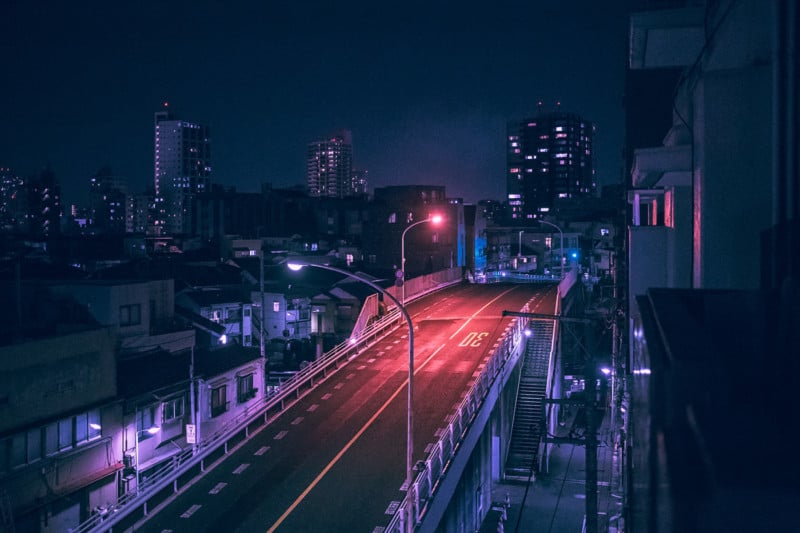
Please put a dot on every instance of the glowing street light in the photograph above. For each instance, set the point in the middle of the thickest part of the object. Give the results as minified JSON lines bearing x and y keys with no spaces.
{"x":561,"y":250}
{"x":297,"y":265}
{"x":435,"y":219}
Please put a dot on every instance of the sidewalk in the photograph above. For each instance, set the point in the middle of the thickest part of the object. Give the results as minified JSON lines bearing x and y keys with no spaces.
{"x":555,"y":501}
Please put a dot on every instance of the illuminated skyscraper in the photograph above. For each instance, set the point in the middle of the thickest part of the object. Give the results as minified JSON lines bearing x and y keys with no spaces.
{"x":329,"y":166}
{"x":550,"y":157}
{"x":182,"y":170}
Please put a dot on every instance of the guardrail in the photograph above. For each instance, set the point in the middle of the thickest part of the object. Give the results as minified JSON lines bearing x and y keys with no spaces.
{"x":506,"y":276}
{"x":188,"y":465}
{"x":420,"y":494}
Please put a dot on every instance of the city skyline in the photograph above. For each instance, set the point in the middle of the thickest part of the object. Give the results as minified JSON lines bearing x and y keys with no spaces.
{"x":427,"y":94}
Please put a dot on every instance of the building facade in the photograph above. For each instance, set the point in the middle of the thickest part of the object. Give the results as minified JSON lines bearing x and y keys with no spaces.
{"x":549,"y":157}
{"x":107,"y":203}
{"x":329,"y":166}
{"x":182,"y":170}
{"x":10,"y":209}
{"x":712,"y":248}
{"x":429,"y":247}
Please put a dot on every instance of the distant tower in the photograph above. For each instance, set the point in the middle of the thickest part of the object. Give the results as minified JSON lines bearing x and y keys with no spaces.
{"x":359,"y":182}
{"x":11,"y":186}
{"x":329,"y":166}
{"x":107,"y":202}
{"x":549,"y":157}
{"x":182,"y":170}
{"x":41,"y":201}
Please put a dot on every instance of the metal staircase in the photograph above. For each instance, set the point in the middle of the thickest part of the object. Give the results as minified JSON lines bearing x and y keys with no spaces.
{"x":529,"y":412}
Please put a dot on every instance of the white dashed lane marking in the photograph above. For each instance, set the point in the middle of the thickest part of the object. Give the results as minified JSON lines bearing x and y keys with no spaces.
{"x":241,"y":468}
{"x":262,"y":450}
{"x":312,"y":408}
{"x":190,"y":511}
{"x":280,"y":435}
{"x":392,"y":507}
{"x":327,"y":396}
{"x":218,"y":487}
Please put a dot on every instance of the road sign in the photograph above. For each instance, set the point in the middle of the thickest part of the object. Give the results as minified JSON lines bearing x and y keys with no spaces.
{"x":191,"y":434}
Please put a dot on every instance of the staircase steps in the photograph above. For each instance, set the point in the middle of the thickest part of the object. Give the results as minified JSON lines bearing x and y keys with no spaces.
{"x":529,"y":419}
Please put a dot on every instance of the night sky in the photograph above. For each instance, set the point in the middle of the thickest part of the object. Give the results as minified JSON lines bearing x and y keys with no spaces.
{"x":425,"y":87}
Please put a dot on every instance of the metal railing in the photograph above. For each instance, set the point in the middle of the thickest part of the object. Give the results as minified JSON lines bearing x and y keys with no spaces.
{"x":436,"y":464}
{"x":276,"y":400}
{"x":238,"y":428}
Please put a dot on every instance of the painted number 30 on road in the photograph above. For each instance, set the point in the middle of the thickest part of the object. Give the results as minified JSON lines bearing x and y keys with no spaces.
{"x":473,"y":339}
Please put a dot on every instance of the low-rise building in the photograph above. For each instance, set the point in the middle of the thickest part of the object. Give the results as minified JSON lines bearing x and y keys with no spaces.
{"x":60,"y":455}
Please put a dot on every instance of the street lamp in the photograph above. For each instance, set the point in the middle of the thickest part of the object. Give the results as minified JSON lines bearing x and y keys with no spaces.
{"x":435,"y":219}
{"x":297,"y":265}
{"x":561,"y":249}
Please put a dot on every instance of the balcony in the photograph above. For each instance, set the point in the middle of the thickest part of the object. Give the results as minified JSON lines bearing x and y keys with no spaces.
{"x":666,"y":38}
{"x":653,"y":166}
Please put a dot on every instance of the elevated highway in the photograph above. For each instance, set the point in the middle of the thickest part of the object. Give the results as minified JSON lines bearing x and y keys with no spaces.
{"x":335,"y":460}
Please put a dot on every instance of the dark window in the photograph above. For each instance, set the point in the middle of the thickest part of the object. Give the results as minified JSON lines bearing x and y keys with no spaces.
{"x":130,"y":315}
{"x":219,"y":402}
{"x":244,"y":388}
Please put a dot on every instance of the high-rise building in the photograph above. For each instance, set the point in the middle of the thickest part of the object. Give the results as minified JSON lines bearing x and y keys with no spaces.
{"x":359,"y":182}
{"x":107,"y":202}
{"x":550,"y":157}
{"x":40,"y":198}
{"x":182,"y":170}
{"x":329,"y":166}
{"x":10,"y":206}
{"x":138,"y":208}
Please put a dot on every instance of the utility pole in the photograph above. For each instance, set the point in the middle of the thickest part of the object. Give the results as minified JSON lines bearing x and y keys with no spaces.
{"x":590,"y":375}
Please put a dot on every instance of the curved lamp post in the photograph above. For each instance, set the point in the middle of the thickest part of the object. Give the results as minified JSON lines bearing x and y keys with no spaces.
{"x":297,"y":265}
{"x":435,"y":219}
{"x":561,"y":250}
